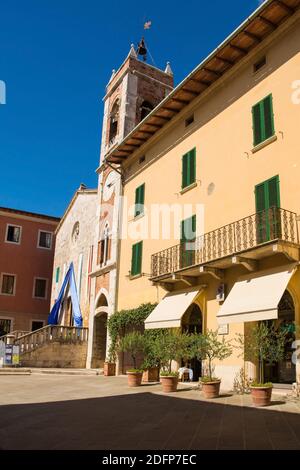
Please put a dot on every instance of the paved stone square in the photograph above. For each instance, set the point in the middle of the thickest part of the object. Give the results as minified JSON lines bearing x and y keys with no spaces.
{"x":96,"y":412}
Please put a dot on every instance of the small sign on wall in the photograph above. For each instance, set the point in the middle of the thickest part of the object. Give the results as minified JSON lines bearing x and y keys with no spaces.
{"x":2,"y":353}
{"x":16,"y":355}
{"x":223,"y":329}
{"x":8,"y":354}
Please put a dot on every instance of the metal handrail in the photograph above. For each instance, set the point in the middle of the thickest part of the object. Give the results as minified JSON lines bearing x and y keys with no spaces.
{"x":246,"y":233}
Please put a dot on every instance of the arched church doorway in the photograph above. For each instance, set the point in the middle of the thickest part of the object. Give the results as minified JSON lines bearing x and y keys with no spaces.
{"x":284,"y":371}
{"x":100,"y":333}
{"x":192,"y":323}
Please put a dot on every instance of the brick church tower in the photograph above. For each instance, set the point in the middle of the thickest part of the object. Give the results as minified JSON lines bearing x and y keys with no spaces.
{"x":132,"y":92}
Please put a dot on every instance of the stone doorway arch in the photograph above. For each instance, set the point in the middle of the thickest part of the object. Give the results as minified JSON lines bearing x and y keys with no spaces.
{"x":100,"y":332}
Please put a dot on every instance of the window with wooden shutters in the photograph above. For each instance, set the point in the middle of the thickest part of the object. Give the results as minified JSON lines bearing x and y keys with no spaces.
{"x":263,"y":120}
{"x":139,"y":200}
{"x":57,"y":275}
{"x":267,"y":201}
{"x":136,"y":260}
{"x":188,"y":168}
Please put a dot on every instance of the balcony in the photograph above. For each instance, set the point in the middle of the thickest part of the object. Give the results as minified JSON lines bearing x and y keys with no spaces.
{"x":256,"y":236}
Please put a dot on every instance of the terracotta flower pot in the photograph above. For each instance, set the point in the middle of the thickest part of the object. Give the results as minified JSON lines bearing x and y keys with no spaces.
{"x":109,"y":369}
{"x":169,"y":383}
{"x":261,"y":396}
{"x":134,"y":378}
{"x":211,"y":389}
{"x":151,"y":375}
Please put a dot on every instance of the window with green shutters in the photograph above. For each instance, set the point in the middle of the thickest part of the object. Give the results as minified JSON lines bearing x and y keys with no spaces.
{"x":187,"y":239}
{"x":263,"y":120}
{"x":267,"y":202}
{"x":139,"y":200}
{"x":57,"y":275}
{"x":188,"y":168}
{"x":136,"y":260}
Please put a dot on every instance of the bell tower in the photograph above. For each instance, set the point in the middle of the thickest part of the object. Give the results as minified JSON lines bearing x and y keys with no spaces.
{"x":131,"y":93}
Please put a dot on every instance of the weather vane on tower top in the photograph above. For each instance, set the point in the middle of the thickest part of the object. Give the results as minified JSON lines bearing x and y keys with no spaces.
{"x":142,"y":48}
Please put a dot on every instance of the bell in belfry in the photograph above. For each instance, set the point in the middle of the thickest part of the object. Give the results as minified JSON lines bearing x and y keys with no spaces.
{"x":142,"y":50}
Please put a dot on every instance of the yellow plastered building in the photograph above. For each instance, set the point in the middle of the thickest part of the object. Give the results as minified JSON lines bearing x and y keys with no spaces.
{"x":219,"y":157}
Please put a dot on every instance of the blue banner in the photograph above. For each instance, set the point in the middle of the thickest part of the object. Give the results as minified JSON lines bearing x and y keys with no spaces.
{"x":68,"y":281}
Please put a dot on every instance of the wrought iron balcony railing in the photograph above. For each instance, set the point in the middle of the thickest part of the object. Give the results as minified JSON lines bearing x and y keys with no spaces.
{"x":244,"y":234}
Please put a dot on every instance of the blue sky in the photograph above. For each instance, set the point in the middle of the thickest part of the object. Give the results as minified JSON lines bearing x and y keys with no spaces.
{"x":56,"y":57}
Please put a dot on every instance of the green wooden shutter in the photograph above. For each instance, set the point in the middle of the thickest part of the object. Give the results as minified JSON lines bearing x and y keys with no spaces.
{"x":139,"y":257}
{"x":268,"y":117}
{"x":263,"y":120}
{"x":57,"y":275}
{"x":137,"y":195}
{"x":257,"y":128}
{"x":184,"y":171}
{"x":192,"y":161}
{"x":188,"y":168}
{"x":260,"y":197}
{"x":188,"y":229}
{"x":142,"y":194}
{"x":273,"y":192}
{"x":187,"y":236}
{"x":133,"y":260}
{"x":136,"y":260}
{"x":267,"y":196}
{"x":139,"y":200}
{"x":194,"y":226}
{"x":261,"y":205}
{"x":183,"y":238}
{"x":274,"y":216}
{"x":182,"y":232}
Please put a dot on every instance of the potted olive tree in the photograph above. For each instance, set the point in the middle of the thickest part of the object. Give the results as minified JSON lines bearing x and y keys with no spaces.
{"x":170,"y":346}
{"x":110,"y":364}
{"x":151,"y":363}
{"x":134,"y":344}
{"x":117,"y":324}
{"x":210,"y":348}
{"x":264,"y":343}
{"x":109,"y":367}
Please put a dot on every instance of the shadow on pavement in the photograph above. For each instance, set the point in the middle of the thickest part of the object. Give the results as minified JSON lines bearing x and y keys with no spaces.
{"x":145,"y":421}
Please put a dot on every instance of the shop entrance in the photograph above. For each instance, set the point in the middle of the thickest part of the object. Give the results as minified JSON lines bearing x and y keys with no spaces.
{"x":284,"y":371}
{"x":192,"y":323}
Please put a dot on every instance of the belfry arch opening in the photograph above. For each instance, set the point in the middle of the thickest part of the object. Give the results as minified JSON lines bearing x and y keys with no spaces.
{"x":146,"y":108}
{"x":114,"y":121}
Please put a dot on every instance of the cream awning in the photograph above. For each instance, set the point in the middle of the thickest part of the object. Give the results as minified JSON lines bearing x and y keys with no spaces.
{"x":256,"y":296}
{"x":168,"y":313}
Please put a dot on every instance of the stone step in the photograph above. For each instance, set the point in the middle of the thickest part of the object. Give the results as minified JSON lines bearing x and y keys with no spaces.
{"x":14,"y":371}
{"x":55,"y":371}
